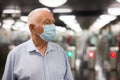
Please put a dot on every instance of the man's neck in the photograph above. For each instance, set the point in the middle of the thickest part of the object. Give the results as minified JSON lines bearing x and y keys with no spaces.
{"x":40,"y":44}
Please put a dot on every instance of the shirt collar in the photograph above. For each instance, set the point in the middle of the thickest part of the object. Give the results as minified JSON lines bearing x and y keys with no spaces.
{"x":50,"y":47}
{"x":31,"y":46}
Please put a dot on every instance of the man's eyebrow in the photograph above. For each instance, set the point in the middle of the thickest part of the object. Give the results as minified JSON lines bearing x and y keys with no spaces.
{"x":47,"y":21}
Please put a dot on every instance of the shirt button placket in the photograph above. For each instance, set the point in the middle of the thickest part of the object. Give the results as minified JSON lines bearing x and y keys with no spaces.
{"x":46,"y":69}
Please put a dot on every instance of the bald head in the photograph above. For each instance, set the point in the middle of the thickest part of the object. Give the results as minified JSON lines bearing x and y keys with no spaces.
{"x":40,"y":15}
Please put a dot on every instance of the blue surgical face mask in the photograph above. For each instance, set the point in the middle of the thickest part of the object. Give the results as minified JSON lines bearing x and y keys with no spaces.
{"x":49,"y":33}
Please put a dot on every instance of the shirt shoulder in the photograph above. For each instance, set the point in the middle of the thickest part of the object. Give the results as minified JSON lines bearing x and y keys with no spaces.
{"x":18,"y":48}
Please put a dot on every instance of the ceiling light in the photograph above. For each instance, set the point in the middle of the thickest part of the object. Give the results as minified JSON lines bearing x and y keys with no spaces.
{"x":24,"y":18}
{"x":60,"y":29}
{"x":107,"y":17}
{"x":8,"y":11}
{"x":97,"y":25}
{"x":71,"y":22}
{"x":53,"y":3}
{"x":6,"y":26}
{"x":62,"y":10}
{"x":114,"y":11}
{"x":67,"y":18}
{"x":8,"y":21}
{"x":76,"y":27}
{"x":101,"y":22}
{"x":116,"y":28}
{"x":118,"y":1}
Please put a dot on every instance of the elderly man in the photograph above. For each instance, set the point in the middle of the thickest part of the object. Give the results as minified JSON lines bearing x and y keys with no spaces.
{"x":38,"y":58}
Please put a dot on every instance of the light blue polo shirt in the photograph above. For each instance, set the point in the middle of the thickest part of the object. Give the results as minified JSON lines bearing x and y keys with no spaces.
{"x":25,"y":62}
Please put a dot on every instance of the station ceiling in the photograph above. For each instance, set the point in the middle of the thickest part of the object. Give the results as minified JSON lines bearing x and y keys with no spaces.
{"x":86,"y":11}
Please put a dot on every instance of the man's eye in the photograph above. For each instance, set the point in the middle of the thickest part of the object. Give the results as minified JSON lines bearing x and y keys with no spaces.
{"x":47,"y":21}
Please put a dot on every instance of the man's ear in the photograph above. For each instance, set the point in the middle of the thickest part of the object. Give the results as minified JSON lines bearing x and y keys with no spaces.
{"x":32,"y":27}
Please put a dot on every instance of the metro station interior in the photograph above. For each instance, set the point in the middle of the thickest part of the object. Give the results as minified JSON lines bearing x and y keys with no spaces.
{"x":88,"y":30}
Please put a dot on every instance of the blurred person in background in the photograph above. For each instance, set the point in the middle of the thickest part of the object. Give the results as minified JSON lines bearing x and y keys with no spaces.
{"x":103,"y":46}
{"x":118,"y":40}
{"x":38,"y":58}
